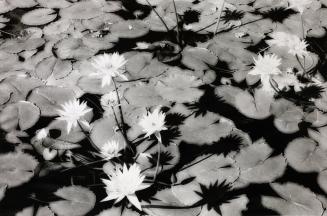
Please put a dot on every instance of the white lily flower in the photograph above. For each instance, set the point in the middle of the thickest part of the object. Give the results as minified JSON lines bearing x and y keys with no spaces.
{"x":265,"y":66}
{"x":293,"y":43}
{"x":110,"y":149}
{"x":154,"y":122}
{"x":299,"y":5}
{"x":124,"y":183}
{"x":108,"y":66}
{"x":73,"y":112}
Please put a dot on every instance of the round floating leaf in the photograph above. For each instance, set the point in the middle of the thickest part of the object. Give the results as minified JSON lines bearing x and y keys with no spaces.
{"x":320,"y":136}
{"x":257,"y":166}
{"x":70,"y":48}
{"x":288,"y":117}
{"x":114,"y":211}
{"x":49,"y":98}
{"x":52,"y":66}
{"x":322,"y":180}
{"x":100,"y":43}
{"x":130,"y":29}
{"x":167,"y":197}
{"x":93,"y":85}
{"x":234,"y":207}
{"x":104,"y":130}
{"x":54,"y":4}
{"x":39,"y":16}
{"x":142,"y":65}
{"x":16,"y":168}
{"x":77,"y":201}
{"x":5,"y":93}
{"x":180,"y":86}
{"x":82,"y":10}
{"x":217,"y":167}
{"x":3,"y":189}
{"x":304,"y":155}
{"x":203,"y":129}
{"x":143,"y":95}
{"x":198,"y":58}
{"x":295,"y":200}
{"x":22,"y":3}
{"x":19,"y":45}
{"x":23,"y":113}
{"x":41,"y":211}
{"x":257,"y":107}
{"x":20,"y":86}
{"x":100,"y":22}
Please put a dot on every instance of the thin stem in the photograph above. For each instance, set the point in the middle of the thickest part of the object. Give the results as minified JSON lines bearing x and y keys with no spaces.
{"x":297,"y":58}
{"x":178,"y":30}
{"x":158,"y":158}
{"x":302,"y":24}
{"x":8,"y":33}
{"x":87,"y":136}
{"x":120,"y":111}
{"x":221,"y":11}
{"x":115,"y":116}
{"x":198,"y":204}
{"x":163,"y":22}
{"x":122,"y":129}
{"x":199,"y":161}
{"x":83,"y":165}
{"x":303,"y":35}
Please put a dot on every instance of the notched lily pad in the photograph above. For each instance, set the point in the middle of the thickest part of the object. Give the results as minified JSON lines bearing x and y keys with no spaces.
{"x":130,"y":29}
{"x":77,"y":201}
{"x":39,"y":16}
{"x":49,"y":98}
{"x":16,"y":168}
{"x":23,"y":114}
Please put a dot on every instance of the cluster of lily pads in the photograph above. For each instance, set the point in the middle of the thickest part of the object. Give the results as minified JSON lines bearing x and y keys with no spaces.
{"x":155,"y":107}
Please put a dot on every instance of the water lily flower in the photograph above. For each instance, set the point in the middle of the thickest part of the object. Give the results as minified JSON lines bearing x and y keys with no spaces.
{"x":42,"y":134}
{"x":108,"y":66}
{"x":299,"y":5}
{"x":110,"y":149}
{"x":124,"y":183}
{"x":293,"y":43}
{"x":108,"y":100}
{"x":265,"y":66}
{"x":153,"y":123}
{"x":73,"y":112}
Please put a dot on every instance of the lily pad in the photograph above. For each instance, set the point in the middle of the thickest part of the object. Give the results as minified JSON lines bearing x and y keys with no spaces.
{"x":198,"y":58}
{"x":204,"y":129}
{"x":16,"y":168}
{"x":304,"y":155}
{"x":130,"y":29}
{"x":288,"y":116}
{"x":74,"y":48}
{"x":105,"y":129}
{"x":143,"y":65}
{"x":257,"y":165}
{"x":41,"y":211}
{"x":54,"y":4}
{"x":257,"y":107}
{"x":22,"y":3}
{"x":143,"y":95}
{"x":49,"y":98}
{"x":295,"y":200}
{"x":23,"y":114}
{"x":82,"y":10}
{"x":77,"y":201}
{"x":39,"y":16}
